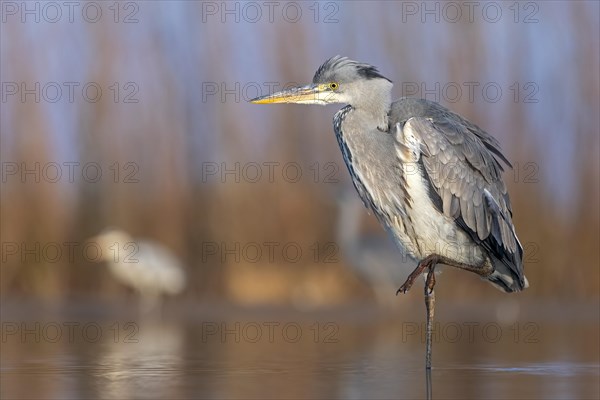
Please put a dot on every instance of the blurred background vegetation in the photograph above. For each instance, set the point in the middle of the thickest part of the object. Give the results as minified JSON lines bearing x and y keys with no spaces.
{"x":175,"y":79}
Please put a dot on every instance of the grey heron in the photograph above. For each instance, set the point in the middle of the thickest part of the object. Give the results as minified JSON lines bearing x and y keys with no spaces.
{"x":432,"y":178}
{"x":144,"y":265}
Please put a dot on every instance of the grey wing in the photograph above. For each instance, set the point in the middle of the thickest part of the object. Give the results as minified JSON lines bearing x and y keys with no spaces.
{"x":459,"y":161}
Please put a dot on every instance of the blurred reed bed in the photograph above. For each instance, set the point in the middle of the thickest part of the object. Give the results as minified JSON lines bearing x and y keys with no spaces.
{"x":154,"y":153}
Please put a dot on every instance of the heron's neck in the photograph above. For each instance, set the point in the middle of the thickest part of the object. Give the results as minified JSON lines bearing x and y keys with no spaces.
{"x":373,"y":117}
{"x":375,"y":103}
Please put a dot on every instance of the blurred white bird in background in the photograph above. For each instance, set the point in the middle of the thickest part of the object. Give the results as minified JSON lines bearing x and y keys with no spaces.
{"x":144,"y":265}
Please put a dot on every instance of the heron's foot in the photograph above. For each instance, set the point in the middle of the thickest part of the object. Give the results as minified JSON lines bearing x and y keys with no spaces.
{"x":410,"y":280}
{"x":426,"y":263}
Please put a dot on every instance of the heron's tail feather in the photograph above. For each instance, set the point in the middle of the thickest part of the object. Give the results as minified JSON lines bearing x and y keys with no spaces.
{"x":506,"y":280}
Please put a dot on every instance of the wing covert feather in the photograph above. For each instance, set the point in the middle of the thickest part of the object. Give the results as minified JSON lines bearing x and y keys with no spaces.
{"x":466,"y":175}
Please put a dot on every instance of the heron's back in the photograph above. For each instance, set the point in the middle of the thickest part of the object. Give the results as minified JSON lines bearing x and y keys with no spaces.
{"x":392,"y":172}
{"x":398,"y":193}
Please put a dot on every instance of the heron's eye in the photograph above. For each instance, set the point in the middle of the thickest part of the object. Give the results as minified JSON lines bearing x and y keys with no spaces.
{"x":333,"y":86}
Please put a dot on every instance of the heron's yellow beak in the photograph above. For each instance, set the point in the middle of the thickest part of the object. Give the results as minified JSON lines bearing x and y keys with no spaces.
{"x":310,"y":94}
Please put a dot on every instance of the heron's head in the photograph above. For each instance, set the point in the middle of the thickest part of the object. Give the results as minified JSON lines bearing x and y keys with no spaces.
{"x":338,"y":80}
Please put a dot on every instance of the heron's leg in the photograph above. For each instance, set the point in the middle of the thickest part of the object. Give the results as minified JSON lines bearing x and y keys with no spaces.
{"x":485,"y":269}
{"x":428,"y":388}
{"x":429,"y":263}
{"x":430,"y":280}
{"x":430,"y":306}
{"x":425,"y":263}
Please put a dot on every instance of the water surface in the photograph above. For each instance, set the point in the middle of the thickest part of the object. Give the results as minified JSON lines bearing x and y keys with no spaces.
{"x":361,"y":352}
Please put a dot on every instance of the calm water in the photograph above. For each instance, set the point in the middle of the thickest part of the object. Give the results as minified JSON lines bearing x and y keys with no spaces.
{"x":92,"y":351}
